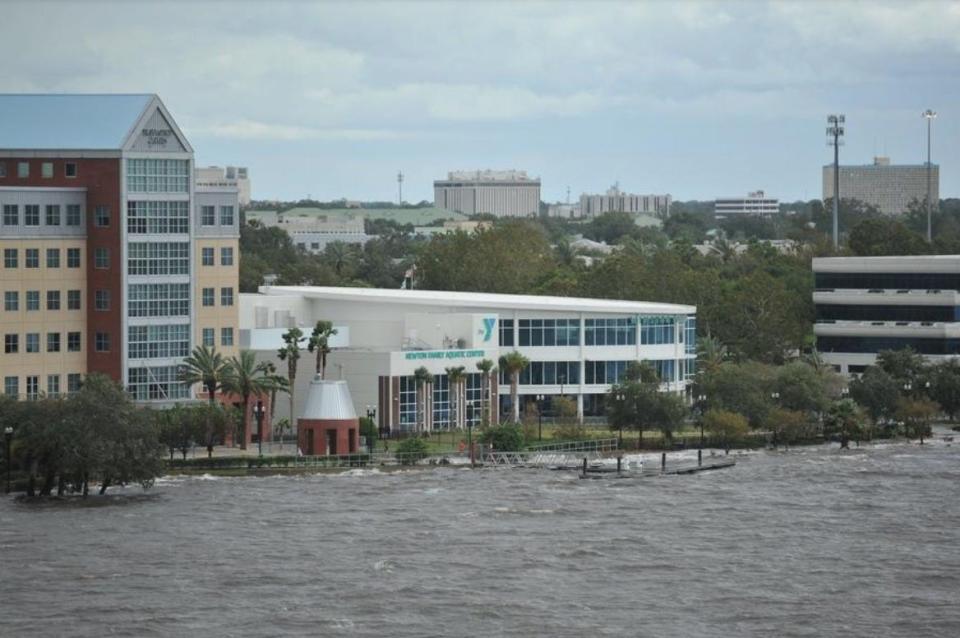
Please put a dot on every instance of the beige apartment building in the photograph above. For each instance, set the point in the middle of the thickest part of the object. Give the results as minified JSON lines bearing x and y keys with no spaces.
{"x":889,"y":187}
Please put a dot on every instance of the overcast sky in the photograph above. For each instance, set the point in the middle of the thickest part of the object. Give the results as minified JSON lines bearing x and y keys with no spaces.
{"x":694,"y":99}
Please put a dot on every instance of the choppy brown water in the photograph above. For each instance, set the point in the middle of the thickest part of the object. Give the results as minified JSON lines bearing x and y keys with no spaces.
{"x":816,"y":542}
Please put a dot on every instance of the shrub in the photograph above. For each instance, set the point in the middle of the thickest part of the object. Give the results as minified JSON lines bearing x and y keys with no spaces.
{"x":507,"y":437}
{"x":411,"y":450}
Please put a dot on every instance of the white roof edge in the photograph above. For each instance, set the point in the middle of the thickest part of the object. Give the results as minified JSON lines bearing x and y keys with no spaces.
{"x":478,"y":299}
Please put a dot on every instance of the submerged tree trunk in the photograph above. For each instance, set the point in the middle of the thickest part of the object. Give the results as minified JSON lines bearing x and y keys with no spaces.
{"x":104,"y":485}
{"x":61,"y":485}
{"x":86,"y":485}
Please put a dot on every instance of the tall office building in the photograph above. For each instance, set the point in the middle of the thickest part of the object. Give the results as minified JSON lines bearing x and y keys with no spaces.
{"x":616,"y":201}
{"x":113,"y":261}
{"x":754,"y":204}
{"x":889,"y":187}
{"x":499,"y":193}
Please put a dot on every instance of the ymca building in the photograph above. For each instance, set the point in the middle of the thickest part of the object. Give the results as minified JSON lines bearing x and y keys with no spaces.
{"x":114,"y":261}
{"x":577,"y":348}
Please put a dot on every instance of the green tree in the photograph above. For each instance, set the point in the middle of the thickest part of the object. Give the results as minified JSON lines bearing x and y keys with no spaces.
{"x":290,"y":352}
{"x":456,"y":378}
{"x":422,"y":378}
{"x":246,"y":377}
{"x":728,"y":428}
{"x":320,"y":343}
{"x":800,"y":388}
{"x":789,"y":426}
{"x":885,"y":236}
{"x":411,"y":451}
{"x":905,"y":366}
{"x":506,"y":437}
{"x":207,"y":367}
{"x":513,"y":363}
{"x":744,"y":388}
{"x":877,"y":392}
{"x":916,"y":415}
{"x":845,"y":420}
{"x":486,"y":368}
{"x":945,"y":386}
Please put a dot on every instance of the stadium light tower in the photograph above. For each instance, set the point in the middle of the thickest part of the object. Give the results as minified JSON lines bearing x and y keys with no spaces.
{"x":930,"y":115}
{"x":835,"y":138}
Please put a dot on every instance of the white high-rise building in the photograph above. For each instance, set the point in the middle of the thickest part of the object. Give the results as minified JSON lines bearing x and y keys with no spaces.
{"x":889,"y":187}
{"x":616,"y":201}
{"x":500,"y":193}
{"x":756,"y":203}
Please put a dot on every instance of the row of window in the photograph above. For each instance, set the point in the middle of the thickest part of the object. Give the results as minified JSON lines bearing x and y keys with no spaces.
{"x":31,"y":257}
{"x":853,"y":312}
{"x":208,"y":296}
{"x":610,"y":332}
{"x":158,"y":176}
{"x":876,"y":344}
{"x":207,"y":255}
{"x":11,"y":300}
{"x":46,"y":169}
{"x":208,"y":216}
{"x":154,"y":342}
{"x":210,"y":337}
{"x":159,"y":300}
{"x":888,"y":281}
{"x":614,"y":331}
{"x":53,"y":215}
{"x":547,"y":373}
{"x":31,"y":342}
{"x":151,"y":383}
{"x":441,"y":402}
{"x":158,"y":258}
{"x":149,"y":217}
{"x":11,"y":385}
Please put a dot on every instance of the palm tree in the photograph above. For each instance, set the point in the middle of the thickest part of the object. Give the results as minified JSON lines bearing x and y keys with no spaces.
{"x":711,"y":353}
{"x":320,"y":341}
{"x":485,"y":367}
{"x":456,"y":377}
{"x":422,"y":377}
{"x":272,"y":371}
{"x":205,"y":366}
{"x":247,"y":377}
{"x":290,"y":352}
{"x":513,"y":363}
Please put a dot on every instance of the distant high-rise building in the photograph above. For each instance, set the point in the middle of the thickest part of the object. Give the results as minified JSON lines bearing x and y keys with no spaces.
{"x":616,"y":201}
{"x":235,"y":176}
{"x":500,"y":193}
{"x":889,"y":187}
{"x":756,"y":203}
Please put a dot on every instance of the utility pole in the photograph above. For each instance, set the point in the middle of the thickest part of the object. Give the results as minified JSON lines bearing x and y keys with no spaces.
{"x":400,"y":188}
{"x":834,"y":135}
{"x":930,"y":115}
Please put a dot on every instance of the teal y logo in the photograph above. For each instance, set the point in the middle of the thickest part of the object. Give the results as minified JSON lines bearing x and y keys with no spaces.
{"x":488,"y":325}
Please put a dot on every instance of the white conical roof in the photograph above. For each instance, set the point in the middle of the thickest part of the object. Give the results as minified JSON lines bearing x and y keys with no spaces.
{"x":328,"y":400}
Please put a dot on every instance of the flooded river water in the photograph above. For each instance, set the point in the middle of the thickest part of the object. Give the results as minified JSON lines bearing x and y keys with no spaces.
{"x":814,"y":542}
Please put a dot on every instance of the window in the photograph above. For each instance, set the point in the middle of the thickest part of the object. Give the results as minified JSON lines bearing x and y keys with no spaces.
{"x":158,"y":176}
{"x":11,"y":215}
{"x":31,"y":258}
{"x":10,"y":258}
{"x":209,"y":337}
{"x":549,"y":332}
{"x":33,"y":342}
{"x":206,"y":256}
{"x":3,"y":169}
{"x":53,"y":257}
{"x":73,"y":257}
{"x":31,"y":215}
{"x":208,"y":215}
{"x":101,"y":258}
{"x":547,"y":373}
{"x":158,"y":300}
{"x":209,"y":297}
{"x":101,"y":217}
{"x":102,"y":342}
{"x":226,"y":256}
{"x":73,"y":342}
{"x":11,"y":344}
{"x":226,"y":215}
{"x":152,"y":342}
{"x":23,"y":170}
{"x":601,"y":372}
{"x":73,"y":215}
{"x":101,"y":300}
{"x":33,"y":300}
{"x":70,"y":169}
{"x":73,"y":300}
{"x":506,"y":332}
{"x":226,"y":336}
{"x":53,"y":342}
{"x":46,"y":170}
{"x":159,"y":258}
{"x":656,"y":330}
{"x":73,"y":382}
{"x":33,"y":387}
{"x":408,"y":403}
{"x":53,"y":300}
{"x":158,"y":217}
{"x":53,"y":385}
{"x":441,"y":402}
{"x":610,"y":332}
{"x":226,"y":296}
{"x":53,"y":215}
{"x":11,"y":301}
{"x":690,"y":340}
{"x":11,"y":386}
{"x":145,"y":384}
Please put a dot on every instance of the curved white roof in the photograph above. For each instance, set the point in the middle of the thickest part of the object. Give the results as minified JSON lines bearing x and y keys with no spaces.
{"x":480,"y":300}
{"x":328,"y":400}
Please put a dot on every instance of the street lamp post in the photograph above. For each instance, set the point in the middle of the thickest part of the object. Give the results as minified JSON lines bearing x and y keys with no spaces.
{"x":258,"y":412}
{"x":620,"y":397}
{"x":8,"y":438}
{"x":371,"y":414}
{"x":835,"y":132}
{"x":540,"y":417}
{"x":702,"y":405}
{"x":929,"y":115}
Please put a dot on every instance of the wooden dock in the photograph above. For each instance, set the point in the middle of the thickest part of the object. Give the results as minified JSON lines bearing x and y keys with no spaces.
{"x":587,"y":472}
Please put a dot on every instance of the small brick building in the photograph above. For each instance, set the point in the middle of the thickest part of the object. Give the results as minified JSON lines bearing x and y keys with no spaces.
{"x":329,"y":425}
